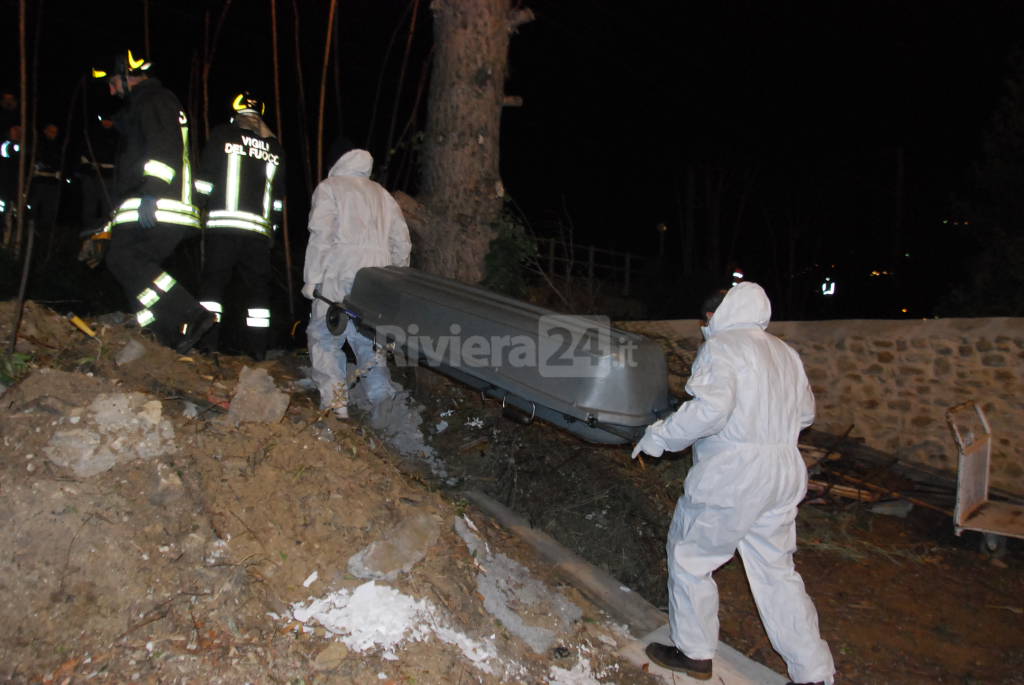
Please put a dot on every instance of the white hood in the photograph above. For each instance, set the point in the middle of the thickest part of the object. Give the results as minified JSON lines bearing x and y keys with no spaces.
{"x":745,"y":306}
{"x":353,"y":163}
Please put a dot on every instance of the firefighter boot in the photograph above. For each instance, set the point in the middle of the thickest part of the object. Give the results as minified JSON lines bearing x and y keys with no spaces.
{"x":198,"y":324}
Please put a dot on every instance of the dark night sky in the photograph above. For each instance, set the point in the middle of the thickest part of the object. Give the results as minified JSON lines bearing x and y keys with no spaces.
{"x":814,"y":100}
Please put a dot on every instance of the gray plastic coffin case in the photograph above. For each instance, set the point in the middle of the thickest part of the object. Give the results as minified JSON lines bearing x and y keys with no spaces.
{"x":597,"y":382}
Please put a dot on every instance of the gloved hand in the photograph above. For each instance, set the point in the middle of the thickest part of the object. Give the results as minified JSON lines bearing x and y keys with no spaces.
{"x":307,"y":290}
{"x":650,"y":443}
{"x":147,"y":212}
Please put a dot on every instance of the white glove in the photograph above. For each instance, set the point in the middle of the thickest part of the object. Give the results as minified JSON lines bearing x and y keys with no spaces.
{"x":307,"y":290}
{"x":650,"y":443}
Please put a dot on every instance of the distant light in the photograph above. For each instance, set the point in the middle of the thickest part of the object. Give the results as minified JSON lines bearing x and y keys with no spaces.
{"x":662,"y":228}
{"x":828,"y":287}
{"x":904,"y":310}
{"x":906,"y":254}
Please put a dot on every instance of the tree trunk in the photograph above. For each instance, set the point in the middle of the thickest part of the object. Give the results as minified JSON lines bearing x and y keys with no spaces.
{"x":461,"y":187}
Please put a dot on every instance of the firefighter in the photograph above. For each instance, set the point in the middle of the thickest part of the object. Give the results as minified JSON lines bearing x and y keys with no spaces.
{"x":47,"y":176}
{"x":240,"y":184}
{"x":153,"y":205}
{"x":10,"y":152}
{"x":10,"y":115}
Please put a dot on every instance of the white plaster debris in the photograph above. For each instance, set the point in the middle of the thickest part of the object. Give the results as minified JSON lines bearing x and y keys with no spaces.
{"x":580,"y":674}
{"x":447,"y":412}
{"x":310,"y":579}
{"x":377,"y":616}
{"x":475,"y":422}
{"x":441,"y":426}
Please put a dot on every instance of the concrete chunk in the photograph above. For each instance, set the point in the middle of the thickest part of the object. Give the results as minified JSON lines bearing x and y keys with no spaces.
{"x":398,"y":550}
{"x":256,"y":399}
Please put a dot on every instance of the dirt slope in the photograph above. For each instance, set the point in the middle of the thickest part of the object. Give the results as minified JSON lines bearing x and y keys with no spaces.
{"x":187,"y":565}
{"x":184,"y":556}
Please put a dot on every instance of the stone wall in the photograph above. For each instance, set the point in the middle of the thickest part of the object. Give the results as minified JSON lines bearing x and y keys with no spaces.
{"x":894,"y":380}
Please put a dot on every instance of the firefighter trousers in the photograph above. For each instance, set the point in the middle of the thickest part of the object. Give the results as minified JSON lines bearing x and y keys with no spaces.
{"x":247,"y":255}
{"x":160,"y":303}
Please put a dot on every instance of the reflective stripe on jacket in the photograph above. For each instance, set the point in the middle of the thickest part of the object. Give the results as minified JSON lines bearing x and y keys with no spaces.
{"x":239,"y":180}
{"x":152,"y":156}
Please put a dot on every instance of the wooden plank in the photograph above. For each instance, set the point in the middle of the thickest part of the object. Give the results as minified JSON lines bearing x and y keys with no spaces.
{"x":1000,"y":518}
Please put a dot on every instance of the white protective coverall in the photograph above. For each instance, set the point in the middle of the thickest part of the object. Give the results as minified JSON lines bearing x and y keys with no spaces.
{"x":353,"y":222}
{"x":750,"y":400}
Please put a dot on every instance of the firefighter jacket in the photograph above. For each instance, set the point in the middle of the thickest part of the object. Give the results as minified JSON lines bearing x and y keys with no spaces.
{"x":152,"y":157}
{"x":240,"y":180}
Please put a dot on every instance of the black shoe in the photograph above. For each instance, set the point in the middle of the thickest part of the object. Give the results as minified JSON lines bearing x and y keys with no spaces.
{"x":671,"y":658}
{"x":197,"y":327}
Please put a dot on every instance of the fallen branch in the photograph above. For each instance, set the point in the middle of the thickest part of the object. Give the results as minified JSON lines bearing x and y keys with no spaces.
{"x":172,"y":393}
{"x":894,"y":493}
{"x":155,"y":614}
{"x":822,"y":488}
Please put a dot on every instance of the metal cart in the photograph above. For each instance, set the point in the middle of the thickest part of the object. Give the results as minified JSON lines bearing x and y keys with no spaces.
{"x":974,"y":510}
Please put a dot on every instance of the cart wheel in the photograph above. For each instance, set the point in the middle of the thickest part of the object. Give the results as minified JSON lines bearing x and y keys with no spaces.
{"x":993,"y":545}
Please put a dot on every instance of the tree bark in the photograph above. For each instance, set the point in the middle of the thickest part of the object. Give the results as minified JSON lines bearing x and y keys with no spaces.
{"x":461,"y":189}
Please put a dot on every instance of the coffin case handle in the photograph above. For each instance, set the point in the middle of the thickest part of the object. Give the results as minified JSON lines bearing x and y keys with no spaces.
{"x":516,"y":414}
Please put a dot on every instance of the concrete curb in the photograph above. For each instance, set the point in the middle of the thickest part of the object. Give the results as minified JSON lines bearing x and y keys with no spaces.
{"x":640,"y":616}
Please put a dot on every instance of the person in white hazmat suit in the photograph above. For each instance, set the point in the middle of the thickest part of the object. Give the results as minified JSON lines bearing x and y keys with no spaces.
{"x":353,"y":222}
{"x":751,"y":399}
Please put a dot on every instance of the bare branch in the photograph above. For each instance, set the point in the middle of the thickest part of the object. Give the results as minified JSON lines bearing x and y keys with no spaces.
{"x":518,"y":17}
